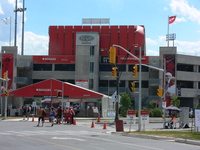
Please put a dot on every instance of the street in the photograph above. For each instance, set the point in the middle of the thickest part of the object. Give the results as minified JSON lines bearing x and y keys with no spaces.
{"x":23,"y":135}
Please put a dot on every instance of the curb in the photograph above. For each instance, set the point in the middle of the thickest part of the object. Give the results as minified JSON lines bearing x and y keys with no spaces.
{"x":178,"y":140}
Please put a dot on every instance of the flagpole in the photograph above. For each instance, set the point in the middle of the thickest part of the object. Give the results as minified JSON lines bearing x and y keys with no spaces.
{"x":10,"y":31}
{"x":168,"y":32}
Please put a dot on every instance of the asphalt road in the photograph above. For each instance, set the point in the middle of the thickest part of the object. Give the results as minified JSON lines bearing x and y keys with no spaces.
{"x":23,"y":135}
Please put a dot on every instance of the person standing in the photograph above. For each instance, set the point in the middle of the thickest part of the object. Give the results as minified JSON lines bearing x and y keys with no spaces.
{"x":28,"y":111}
{"x":72,"y":115}
{"x":52,"y":116}
{"x":59,"y":115}
{"x":40,"y":114}
{"x":24,"y":112}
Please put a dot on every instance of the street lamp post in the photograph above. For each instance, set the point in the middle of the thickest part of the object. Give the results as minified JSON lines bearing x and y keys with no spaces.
{"x":140,"y":92}
{"x":140,"y":78}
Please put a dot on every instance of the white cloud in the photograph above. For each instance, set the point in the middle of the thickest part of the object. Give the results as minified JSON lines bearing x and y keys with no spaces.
{"x":182,"y":19}
{"x":152,"y":53}
{"x":149,"y":41}
{"x":1,"y":10}
{"x":35,"y":44}
{"x":181,"y":7}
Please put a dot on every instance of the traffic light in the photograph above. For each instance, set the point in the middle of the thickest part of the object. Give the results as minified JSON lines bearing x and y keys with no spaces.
{"x":7,"y":93}
{"x":160,"y":92}
{"x":132,"y":86}
{"x":4,"y":75}
{"x":135,"y":71}
{"x":114,"y":72}
{"x":112,"y":56}
{"x":58,"y":94}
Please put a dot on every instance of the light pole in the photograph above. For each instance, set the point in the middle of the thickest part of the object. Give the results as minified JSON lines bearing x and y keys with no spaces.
{"x":140,"y":84}
{"x":140,"y":78}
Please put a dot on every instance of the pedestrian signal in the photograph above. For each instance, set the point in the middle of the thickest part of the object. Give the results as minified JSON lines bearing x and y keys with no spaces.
{"x":160,"y":92}
{"x":114,"y":72}
{"x":135,"y":71}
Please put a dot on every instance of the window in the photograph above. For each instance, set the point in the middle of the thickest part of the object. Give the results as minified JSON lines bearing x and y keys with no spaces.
{"x":106,"y":67}
{"x":182,"y":67}
{"x":42,"y":67}
{"x":64,"y":67}
{"x":185,"y":84}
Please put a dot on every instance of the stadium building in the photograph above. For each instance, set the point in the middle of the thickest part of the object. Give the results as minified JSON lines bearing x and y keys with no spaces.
{"x":79,"y":55}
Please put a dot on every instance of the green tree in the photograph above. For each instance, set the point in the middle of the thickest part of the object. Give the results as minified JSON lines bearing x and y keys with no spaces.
{"x":125,"y":100}
{"x":175,"y":101}
{"x":152,"y":104}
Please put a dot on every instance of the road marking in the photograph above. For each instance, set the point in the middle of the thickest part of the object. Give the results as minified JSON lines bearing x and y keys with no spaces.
{"x":66,"y":138}
{"x":51,"y":143}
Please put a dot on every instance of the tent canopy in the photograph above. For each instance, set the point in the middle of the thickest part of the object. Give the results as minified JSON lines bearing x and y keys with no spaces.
{"x":50,"y":87}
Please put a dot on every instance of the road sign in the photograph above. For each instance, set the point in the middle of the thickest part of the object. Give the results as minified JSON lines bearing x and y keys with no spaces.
{"x":145,"y":117}
{"x":131,"y":117}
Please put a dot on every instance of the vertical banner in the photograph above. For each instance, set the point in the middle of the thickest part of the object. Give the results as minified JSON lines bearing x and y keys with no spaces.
{"x":170,"y":77}
{"x":7,"y":65}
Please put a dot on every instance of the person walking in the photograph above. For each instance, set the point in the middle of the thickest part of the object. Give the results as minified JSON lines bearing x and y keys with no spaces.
{"x":52,"y":116}
{"x":41,"y":113}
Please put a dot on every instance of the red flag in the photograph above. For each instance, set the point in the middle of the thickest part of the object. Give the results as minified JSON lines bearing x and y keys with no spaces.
{"x":139,"y":35}
{"x":172,"y":19}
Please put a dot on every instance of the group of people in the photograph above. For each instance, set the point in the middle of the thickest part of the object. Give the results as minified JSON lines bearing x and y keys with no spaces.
{"x":55,"y":115}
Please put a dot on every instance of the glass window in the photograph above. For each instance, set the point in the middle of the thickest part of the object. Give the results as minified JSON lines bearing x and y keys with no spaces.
{"x":64,"y":67}
{"x":185,"y":84}
{"x":91,"y":50}
{"x":42,"y":67}
{"x":183,"y":67}
{"x":91,"y":66}
{"x":105,"y":67}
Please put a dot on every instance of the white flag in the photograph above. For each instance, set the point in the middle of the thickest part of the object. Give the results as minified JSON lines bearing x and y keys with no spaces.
{"x":6,"y":20}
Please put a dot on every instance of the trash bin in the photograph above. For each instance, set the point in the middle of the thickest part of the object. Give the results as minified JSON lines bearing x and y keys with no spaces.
{"x":119,"y":125}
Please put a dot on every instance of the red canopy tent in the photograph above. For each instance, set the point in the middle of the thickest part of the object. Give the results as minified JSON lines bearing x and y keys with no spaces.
{"x":50,"y":87}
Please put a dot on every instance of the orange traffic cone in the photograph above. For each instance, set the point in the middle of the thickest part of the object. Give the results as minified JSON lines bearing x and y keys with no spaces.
{"x":104,"y":125}
{"x":92,"y":126}
{"x":74,"y":122}
{"x":98,"y":120}
{"x":33,"y":118}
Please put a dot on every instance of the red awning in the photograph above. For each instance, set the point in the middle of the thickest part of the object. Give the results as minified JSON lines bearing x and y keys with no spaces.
{"x":50,"y":87}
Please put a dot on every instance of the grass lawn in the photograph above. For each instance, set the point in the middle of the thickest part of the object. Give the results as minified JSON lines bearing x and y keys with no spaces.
{"x":175,"y":134}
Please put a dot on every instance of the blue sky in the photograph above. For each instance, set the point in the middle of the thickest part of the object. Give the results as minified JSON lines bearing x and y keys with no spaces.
{"x":153,"y":14}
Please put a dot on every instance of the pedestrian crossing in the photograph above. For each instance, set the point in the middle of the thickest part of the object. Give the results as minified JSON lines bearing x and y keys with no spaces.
{"x":52,"y":132}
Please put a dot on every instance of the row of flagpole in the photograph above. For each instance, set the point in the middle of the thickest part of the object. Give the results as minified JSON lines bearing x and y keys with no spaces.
{"x":8,"y":21}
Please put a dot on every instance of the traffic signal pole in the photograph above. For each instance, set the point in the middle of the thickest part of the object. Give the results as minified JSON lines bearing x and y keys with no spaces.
{"x":6,"y":97}
{"x":117,"y":100}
